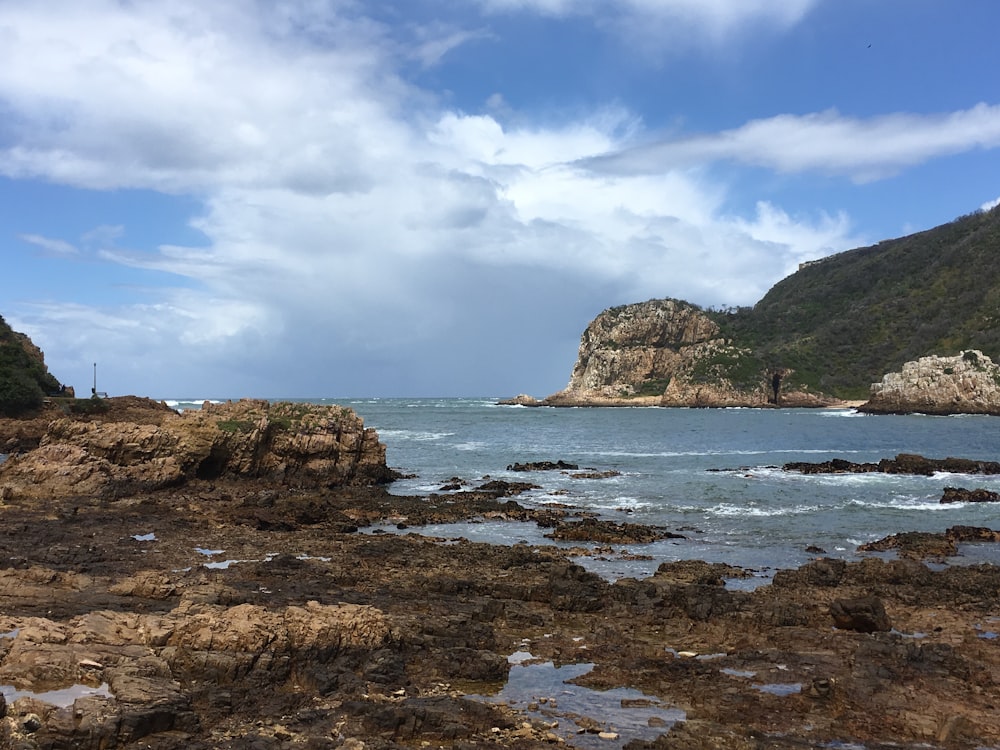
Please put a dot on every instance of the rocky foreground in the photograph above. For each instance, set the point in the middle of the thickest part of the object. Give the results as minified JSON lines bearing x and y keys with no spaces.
{"x":239,"y":606}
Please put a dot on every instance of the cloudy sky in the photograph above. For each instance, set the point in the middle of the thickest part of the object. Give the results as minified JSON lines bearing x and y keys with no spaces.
{"x":430,"y":197}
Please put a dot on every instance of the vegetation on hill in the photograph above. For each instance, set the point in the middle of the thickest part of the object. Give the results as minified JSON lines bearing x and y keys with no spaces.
{"x":841,"y":323}
{"x":24,"y":379}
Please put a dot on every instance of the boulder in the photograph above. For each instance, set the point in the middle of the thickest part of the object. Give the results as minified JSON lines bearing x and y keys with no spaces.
{"x":962,"y":495}
{"x":865,"y":615}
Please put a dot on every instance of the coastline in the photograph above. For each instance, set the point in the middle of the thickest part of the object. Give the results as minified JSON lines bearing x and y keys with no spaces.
{"x":230,"y":612}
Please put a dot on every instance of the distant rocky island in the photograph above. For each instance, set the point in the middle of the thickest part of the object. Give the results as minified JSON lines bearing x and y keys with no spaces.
{"x":907,"y":325}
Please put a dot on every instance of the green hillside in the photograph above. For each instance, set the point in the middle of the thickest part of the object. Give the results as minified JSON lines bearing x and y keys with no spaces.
{"x":842,"y":322}
{"x":24,"y":379}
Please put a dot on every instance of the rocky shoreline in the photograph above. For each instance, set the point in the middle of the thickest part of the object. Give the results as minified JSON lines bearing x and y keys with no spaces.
{"x":250,"y":608}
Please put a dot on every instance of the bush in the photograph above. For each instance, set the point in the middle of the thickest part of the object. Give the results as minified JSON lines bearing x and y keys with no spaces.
{"x":18,"y":393}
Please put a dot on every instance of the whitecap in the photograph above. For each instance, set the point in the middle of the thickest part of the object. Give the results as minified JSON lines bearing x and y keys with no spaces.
{"x":726,"y":509}
{"x":471,"y":445}
{"x":413,"y":435}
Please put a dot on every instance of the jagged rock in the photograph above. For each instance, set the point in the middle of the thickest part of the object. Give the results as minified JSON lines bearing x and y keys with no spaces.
{"x":865,"y":615}
{"x":302,"y":445}
{"x":543,"y":466}
{"x":608,"y":532}
{"x":916,"y":544}
{"x":968,"y":383}
{"x":144,"y":660}
{"x":903,"y":463}
{"x":641,"y":339}
{"x":962,"y":495}
{"x":921,"y":544}
{"x":522,"y":399}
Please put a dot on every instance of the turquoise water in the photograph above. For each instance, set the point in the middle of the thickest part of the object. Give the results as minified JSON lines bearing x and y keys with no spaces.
{"x":711,"y":474}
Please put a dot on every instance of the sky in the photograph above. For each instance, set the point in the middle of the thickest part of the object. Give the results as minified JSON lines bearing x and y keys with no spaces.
{"x":333,"y":198}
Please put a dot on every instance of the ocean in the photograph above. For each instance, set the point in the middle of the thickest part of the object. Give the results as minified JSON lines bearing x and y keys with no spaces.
{"x":712,"y":475}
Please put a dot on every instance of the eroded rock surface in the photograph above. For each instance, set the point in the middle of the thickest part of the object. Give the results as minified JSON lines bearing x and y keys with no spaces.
{"x":294,"y":444}
{"x":239,"y":611}
{"x":668,"y":353}
{"x":968,"y":383}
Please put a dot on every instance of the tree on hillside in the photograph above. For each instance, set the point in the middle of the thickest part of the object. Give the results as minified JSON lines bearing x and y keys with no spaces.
{"x":24,"y":379}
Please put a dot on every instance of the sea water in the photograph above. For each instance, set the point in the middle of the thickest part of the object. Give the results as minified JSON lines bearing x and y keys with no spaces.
{"x":713,"y":475}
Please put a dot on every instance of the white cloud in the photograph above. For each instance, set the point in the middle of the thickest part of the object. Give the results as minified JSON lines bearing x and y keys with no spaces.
{"x":362,"y":238}
{"x":50,"y":245}
{"x":828,"y":142}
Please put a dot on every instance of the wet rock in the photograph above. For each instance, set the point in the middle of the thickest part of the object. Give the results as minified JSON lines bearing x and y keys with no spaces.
{"x":962,"y":495}
{"x":573,"y":588}
{"x":825,"y":572}
{"x":916,"y":544}
{"x":543,"y":466}
{"x":865,"y":615}
{"x":699,"y":572}
{"x":972,"y":534}
{"x":904,"y":463}
{"x":608,"y":532}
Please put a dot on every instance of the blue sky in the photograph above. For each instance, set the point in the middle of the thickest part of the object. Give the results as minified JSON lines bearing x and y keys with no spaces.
{"x":339,"y":198}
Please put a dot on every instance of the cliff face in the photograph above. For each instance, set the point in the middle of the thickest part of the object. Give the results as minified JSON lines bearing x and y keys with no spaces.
{"x":968,"y":383}
{"x":667,"y":353}
{"x":627,"y":346}
{"x":299,"y":445}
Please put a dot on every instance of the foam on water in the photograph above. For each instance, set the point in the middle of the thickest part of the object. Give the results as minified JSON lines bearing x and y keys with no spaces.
{"x":413,"y":435}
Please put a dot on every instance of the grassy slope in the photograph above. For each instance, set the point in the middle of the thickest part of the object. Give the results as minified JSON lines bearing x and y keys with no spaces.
{"x":845,"y":321}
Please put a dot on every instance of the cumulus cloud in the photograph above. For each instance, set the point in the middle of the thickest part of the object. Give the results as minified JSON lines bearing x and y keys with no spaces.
{"x":828,"y":142}
{"x":360,"y":236}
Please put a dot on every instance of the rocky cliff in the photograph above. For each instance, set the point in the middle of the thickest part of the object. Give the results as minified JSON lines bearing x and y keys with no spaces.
{"x":147,"y":447}
{"x":669,"y":353}
{"x":968,"y":383}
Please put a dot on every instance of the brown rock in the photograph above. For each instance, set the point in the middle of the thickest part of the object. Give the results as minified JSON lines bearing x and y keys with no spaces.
{"x":865,"y":615}
{"x":299,"y":445}
{"x":668,"y":353}
{"x":962,"y":495}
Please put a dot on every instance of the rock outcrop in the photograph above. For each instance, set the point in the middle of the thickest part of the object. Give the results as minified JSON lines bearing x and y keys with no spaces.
{"x":669,"y":353}
{"x":968,"y":383}
{"x":299,"y":445}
